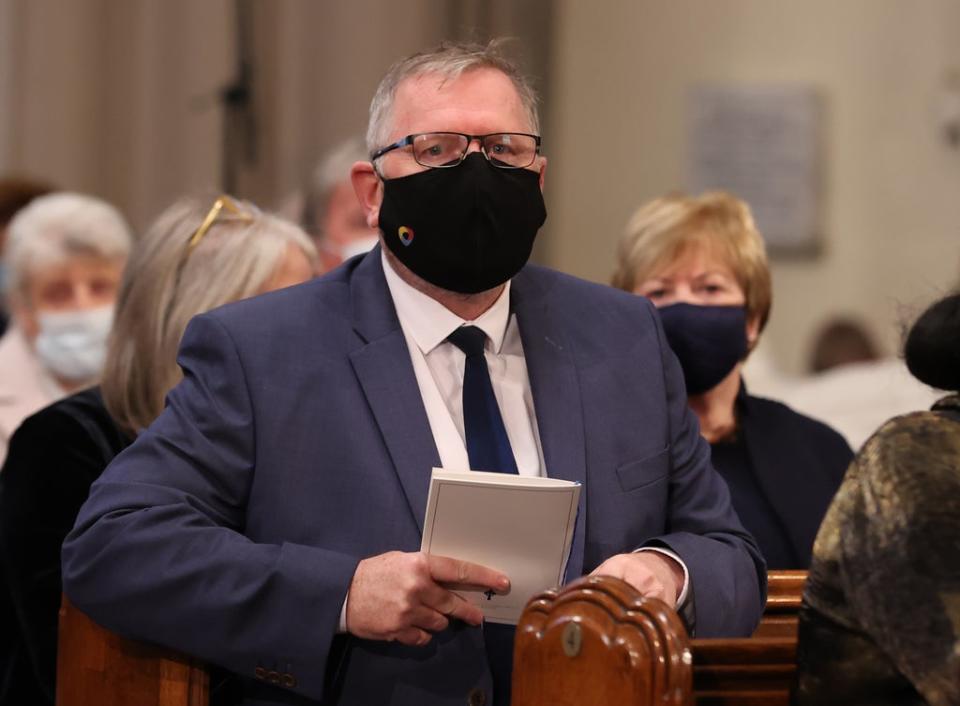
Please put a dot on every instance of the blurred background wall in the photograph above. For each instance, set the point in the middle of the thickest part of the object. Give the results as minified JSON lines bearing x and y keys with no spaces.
{"x":139,"y":101}
{"x":891,"y":184}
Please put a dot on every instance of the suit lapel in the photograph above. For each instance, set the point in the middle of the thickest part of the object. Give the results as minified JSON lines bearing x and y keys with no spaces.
{"x":383,"y":367}
{"x":556,"y":398}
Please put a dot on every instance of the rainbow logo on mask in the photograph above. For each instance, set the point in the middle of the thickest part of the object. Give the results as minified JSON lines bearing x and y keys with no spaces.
{"x":406,"y":235}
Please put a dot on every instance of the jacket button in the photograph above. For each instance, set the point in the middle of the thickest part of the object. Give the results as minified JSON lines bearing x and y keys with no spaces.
{"x":288,"y":680}
{"x":260,"y":673}
{"x":273,"y":677}
{"x":476,"y":697}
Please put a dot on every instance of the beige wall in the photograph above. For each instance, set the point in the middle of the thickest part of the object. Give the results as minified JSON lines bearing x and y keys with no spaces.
{"x":119,"y":97}
{"x":319,"y":65}
{"x":98,"y":103}
{"x":891,"y":206}
{"x":7,"y":71}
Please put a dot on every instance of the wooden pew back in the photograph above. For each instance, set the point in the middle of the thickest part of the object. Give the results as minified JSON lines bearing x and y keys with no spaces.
{"x":596,"y":641}
{"x":749,"y":671}
{"x":592,"y":643}
{"x":96,"y":667}
{"x":759,"y":670}
{"x":782,"y":611}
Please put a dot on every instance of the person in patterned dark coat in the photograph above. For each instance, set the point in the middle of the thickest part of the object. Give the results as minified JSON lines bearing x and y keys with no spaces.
{"x":880,"y":622}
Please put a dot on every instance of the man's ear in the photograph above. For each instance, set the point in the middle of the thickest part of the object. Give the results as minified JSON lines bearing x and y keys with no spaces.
{"x":369,"y":189}
{"x":543,"y":171}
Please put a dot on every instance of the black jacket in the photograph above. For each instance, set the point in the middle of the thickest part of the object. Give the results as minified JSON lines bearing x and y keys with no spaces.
{"x":53,"y":458}
{"x":797,"y":464}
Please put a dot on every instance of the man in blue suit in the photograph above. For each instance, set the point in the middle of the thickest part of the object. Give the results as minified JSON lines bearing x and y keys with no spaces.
{"x":269,"y":520}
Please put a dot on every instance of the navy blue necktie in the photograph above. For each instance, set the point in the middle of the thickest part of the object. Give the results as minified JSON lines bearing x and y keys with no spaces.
{"x":488,"y":446}
{"x":489,"y":450}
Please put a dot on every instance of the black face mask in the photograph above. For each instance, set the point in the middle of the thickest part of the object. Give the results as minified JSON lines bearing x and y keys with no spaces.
{"x":708,"y":340}
{"x":466,"y":229}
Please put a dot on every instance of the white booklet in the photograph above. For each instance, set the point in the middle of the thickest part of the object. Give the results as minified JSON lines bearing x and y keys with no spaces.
{"x":521,"y":526}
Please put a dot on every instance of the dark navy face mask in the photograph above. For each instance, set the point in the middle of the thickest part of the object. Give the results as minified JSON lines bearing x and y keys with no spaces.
{"x":708,"y":340}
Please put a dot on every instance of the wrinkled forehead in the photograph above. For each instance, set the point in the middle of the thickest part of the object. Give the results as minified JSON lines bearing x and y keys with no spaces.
{"x":478,"y":101}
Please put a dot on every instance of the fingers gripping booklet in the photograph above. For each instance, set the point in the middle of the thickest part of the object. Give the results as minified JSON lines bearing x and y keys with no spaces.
{"x":521,"y":526}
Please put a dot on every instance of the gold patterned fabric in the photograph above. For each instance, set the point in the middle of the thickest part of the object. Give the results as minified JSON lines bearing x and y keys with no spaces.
{"x":881,"y":611}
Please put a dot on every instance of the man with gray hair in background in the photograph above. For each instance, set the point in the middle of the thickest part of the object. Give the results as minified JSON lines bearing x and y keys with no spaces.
{"x":331,"y":213}
{"x":270,"y":519}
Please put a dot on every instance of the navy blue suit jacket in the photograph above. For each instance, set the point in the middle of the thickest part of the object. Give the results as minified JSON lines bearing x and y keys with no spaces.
{"x":298,"y":444}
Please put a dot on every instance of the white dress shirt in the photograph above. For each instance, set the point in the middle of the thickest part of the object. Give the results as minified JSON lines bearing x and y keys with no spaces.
{"x":439,"y":365}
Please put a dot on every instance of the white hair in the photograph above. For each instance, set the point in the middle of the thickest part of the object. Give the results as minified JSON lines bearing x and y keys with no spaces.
{"x":449,"y":60}
{"x":52,"y":229}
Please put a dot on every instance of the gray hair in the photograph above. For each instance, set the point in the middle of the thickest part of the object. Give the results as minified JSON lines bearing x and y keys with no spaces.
{"x":449,"y":60}
{"x":332,"y":170}
{"x":52,"y":229}
{"x":165,"y":285}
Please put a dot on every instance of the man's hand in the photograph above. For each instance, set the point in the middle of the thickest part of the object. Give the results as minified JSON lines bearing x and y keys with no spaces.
{"x":652,"y":573}
{"x":407,"y":596}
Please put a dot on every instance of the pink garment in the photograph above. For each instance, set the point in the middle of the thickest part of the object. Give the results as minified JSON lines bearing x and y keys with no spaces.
{"x":25,"y":387}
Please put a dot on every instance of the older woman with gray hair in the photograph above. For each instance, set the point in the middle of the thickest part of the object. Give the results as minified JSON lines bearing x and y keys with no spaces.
{"x":194,"y":258}
{"x":64,"y":256}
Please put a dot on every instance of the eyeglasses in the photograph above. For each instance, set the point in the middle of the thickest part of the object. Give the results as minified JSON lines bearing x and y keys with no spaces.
{"x":222,"y":204}
{"x":506,"y":150}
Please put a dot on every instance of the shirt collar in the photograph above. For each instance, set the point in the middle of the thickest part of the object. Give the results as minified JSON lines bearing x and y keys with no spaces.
{"x":429,"y":322}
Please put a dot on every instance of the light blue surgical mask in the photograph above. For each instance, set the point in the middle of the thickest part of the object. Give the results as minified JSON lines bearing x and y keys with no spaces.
{"x":73,"y":344}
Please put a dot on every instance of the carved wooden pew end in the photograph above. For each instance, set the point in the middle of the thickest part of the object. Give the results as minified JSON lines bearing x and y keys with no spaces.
{"x":597,"y":642}
{"x":600,"y":626}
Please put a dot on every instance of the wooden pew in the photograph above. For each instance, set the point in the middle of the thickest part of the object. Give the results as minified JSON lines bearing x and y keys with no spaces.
{"x":750,"y":671}
{"x":96,"y":667}
{"x":755,"y":671}
{"x":593,"y":643}
{"x":596,"y":641}
{"x":784,"y":596}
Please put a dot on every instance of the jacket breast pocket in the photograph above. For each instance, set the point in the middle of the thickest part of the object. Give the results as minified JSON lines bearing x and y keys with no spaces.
{"x":646,"y":471}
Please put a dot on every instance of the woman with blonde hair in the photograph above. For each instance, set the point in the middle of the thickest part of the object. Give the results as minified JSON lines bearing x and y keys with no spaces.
{"x":702,"y":263}
{"x":192,"y":259}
